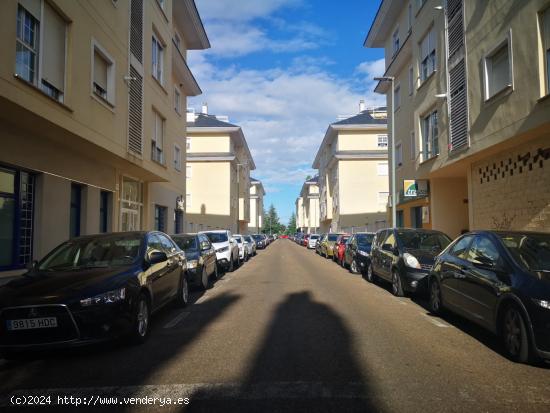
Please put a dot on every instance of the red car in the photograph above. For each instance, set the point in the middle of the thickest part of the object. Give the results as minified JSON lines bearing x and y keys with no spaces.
{"x":284,"y":236}
{"x":340,"y":248}
{"x":304,"y":240}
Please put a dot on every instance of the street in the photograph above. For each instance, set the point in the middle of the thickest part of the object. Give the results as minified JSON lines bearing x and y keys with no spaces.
{"x":291,"y":331}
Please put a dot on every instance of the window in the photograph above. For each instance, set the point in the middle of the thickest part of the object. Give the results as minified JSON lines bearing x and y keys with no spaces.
{"x":382,"y":141}
{"x":177,"y":158}
{"x":413,"y":146}
{"x":52,"y":61}
{"x":188,"y":144}
{"x":178,"y":221}
{"x":103,"y":74}
{"x":546,"y":45}
{"x":382,"y":169}
{"x":188,"y":171}
{"x":177,"y":101}
{"x":177,"y":41}
{"x":160,"y":218}
{"x":75,"y":214}
{"x":397,"y":97}
{"x":399,"y":154}
{"x":460,"y":249}
{"x":383,"y":198}
{"x":427,"y":55}
{"x":131,"y":205}
{"x":161,"y":4}
{"x":158,"y":138}
{"x":157,"y":60}
{"x":411,"y":81}
{"x":498,"y":69}
{"x":8,"y":211}
{"x":483,"y":251}
{"x":430,"y":144}
{"x":188,"y":200}
{"x":104,"y":200}
{"x":395,"y":41}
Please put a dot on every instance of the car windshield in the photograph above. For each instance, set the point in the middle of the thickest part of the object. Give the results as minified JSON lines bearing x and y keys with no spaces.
{"x":532,"y":251}
{"x":332,"y":237}
{"x":186,"y":243}
{"x":343,"y":240}
{"x":239,"y":240}
{"x":258,"y":237}
{"x":314,"y":237}
{"x":248,"y":238}
{"x":217,"y":236}
{"x":100,"y":252}
{"x":365,"y":240}
{"x":427,"y":241}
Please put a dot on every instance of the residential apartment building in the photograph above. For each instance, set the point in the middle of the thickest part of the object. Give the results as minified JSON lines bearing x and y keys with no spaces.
{"x":307,"y":207}
{"x":353,"y":173}
{"x":471,"y":114}
{"x":257,"y":193}
{"x":218,"y":174}
{"x":92,"y":139}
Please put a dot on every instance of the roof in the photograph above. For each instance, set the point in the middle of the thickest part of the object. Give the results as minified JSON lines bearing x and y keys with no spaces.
{"x":363,"y":118}
{"x":209,"y":121}
{"x":254,"y":180}
{"x":313,"y":180}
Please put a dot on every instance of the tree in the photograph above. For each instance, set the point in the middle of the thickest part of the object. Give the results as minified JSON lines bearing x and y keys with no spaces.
{"x":272,"y":225}
{"x":291,"y":228}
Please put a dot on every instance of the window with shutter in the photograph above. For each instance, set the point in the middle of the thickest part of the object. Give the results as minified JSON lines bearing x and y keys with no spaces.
{"x":53,"y":53}
{"x":28,"y":32}
{"x":498,"y":69}
{"x":100,"y":75}
{"x":157,"y":154}
{"x":135,"y":113}
{"x":136,"y":29}
{"x":427,"y":55}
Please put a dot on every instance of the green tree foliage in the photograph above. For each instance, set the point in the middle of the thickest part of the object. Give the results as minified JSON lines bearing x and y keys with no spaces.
{"x":272,"y":225}
{"x":291,"y":228}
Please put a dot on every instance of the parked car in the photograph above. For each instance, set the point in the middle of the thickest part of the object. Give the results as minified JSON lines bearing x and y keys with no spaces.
{"x":284,"y":236}
{"x":201,"y":258}
{"x":357,"y":252}
{"x":312,"y":241}
{"x":500,"y":280}
{"x":339,"y":248}
{"x":251,"y":245}
{"x":405,"y":257}
{"x":327,"y":245}
{"x":320,"y":241}
{"x":243,"y":249}
{"x":260,"y":241}
{"x":92,"y":289}
{"x":299,"y":238}
{"x":304,"y":240}
{"x":227,"y":250}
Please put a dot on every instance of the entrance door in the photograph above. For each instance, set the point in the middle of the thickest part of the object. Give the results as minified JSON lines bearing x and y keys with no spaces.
{"x":416,"y":217}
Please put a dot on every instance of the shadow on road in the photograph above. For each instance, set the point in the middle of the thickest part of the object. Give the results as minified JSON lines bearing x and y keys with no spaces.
{"x":305,"y":363}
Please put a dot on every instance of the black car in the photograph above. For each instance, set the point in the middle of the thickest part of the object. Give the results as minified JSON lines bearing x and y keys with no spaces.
{"x":201,"y":258}
{"x":405,"y":257}
{"x":357,"y":253}
{"x":500,"y":280}
{"x":92,"y":289}
{"x":260,"y":241}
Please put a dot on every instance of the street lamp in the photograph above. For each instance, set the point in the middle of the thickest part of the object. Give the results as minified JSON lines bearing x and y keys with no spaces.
{"x":391,"y":79}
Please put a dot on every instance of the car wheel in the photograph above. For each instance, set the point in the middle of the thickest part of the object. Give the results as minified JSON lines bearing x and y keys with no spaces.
{"x":515,"y":337}
{"x":435,"y":297}
{"x":216,"y":271}
{"x":142,"y":316}
{"x":353,"y":267}
{"x":396,"y":286}
{"x":183,"y":296}
{"x":371,"y":277}
{"x":204,"y":279}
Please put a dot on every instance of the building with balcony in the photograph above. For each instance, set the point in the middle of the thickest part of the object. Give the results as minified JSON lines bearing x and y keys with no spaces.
{"x":353,"y":173}
{"x":257,"y":193}
{"x":92,"y":130}
{"x":218,"y":174}
{"x":471,"y":112}
{"x":307,"y":207}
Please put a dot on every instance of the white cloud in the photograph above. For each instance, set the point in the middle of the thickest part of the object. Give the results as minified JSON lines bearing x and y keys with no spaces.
{"x":246,"y":10}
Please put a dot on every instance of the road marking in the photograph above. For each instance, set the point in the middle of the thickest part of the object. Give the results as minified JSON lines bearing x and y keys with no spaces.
{"x":434,"y":321}
{"x":177,"y":319}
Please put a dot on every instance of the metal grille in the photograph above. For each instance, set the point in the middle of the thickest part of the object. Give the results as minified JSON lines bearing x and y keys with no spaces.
{"x":135,"y":113}
{"x":26,"y":195}
{"x":459,"y":106}
{"x":136,"y":29}
{"x":456,"y":31}
{"x":427,"y":267}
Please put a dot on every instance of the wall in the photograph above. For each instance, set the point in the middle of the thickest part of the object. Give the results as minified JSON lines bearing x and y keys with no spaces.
{"x":449,"y":205}
{"x":210,"y":143}
{"x":210,"y":188}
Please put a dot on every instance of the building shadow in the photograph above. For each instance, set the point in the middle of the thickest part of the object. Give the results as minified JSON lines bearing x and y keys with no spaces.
{"x":305,"y":363}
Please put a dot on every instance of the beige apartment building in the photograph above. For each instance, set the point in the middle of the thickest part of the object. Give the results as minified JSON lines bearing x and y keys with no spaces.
{"x":307,"y":207}
{"x":353,"y":173}
{"x":257,"y":193}
{"x":218,"y":174}
{"x":91,"y":120}
{"x":472,"y":114}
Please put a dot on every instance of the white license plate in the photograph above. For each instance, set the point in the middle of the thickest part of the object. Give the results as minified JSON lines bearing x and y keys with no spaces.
{"x":31,"y":323}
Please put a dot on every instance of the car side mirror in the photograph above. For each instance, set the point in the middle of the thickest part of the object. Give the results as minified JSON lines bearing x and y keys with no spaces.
{"x":205,"y":246}
{"x":156,"y":257}
{"x":32,"y":265}
{"x":387,"y":247}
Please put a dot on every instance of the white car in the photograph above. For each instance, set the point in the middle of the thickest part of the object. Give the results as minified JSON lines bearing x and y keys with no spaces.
{"x":252,"y":245}
{"x":312,"y":241}
{"x":227,"y":249}
{"x":245,"y":249}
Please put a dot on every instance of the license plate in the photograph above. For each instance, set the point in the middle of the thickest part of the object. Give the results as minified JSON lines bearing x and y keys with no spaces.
{"x":32,"y":323}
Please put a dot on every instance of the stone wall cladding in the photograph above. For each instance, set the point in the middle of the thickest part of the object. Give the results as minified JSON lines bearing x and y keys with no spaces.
{"x":511,"y":190}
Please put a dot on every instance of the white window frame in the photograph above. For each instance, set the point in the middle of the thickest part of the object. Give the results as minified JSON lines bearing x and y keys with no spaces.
{"x":36,"y":50}
{"x":111,"y":74}
{"x":425,"y":61}
{"x":411,"y":81}
{"x":505,"y":42}
{"x":177,"y":100}
{"x":188,"y":144}
{"x":382,"y":169}
{"x":395,"y":41}
{"x":177,"y":157}
{"x":397,"y":97}
{"x":188,"y":171}
{"x":157,"y":66}
{"x":398,"y":154}
{"x":413,"y":146}
{"x":430,"y":137}
{"x":188,"y":200}
{"x":158,"y":156}
{"x":546,"y":48}
{"x":382,"y":141}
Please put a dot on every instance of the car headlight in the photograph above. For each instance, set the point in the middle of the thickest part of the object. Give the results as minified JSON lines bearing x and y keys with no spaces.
{"x":363,"y":253}
{"x":222,"y":249}
{"x":411,"y":261}
{"x":192,"y":264}
{"x":105,"y":298}
{"x":542,"y":303}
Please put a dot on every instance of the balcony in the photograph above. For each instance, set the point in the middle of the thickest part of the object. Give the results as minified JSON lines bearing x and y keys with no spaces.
{"x":183,"y":73}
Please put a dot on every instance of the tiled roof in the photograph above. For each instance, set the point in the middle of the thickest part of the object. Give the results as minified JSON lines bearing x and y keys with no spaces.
{"x":209,"y":121}
{"x":363,"y":118}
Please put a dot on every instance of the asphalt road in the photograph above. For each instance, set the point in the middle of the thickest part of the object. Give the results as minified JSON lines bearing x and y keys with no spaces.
{"x":291,"y":331}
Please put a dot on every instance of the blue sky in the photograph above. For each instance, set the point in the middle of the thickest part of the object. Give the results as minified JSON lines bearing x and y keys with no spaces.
{"x":284,"y":70}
